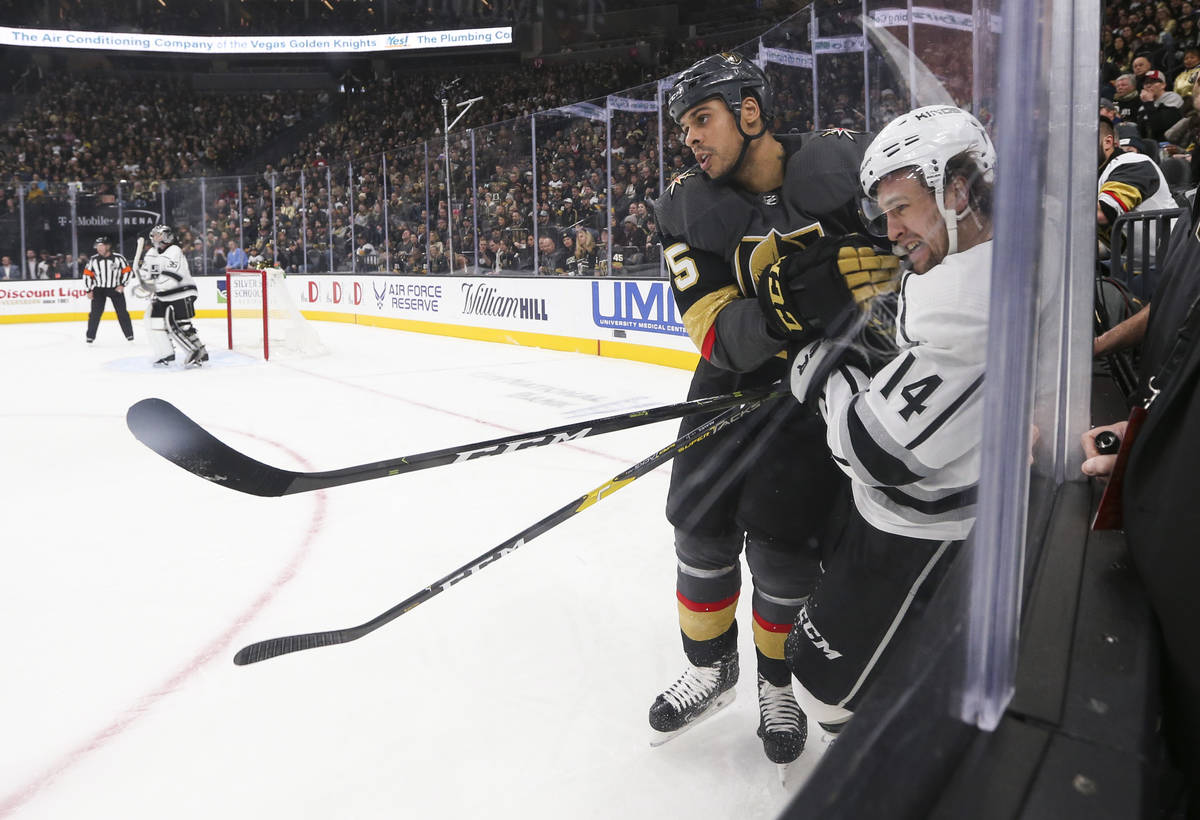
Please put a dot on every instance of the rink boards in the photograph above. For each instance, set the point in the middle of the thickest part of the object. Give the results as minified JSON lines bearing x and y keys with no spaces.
{"x":622,"y":318}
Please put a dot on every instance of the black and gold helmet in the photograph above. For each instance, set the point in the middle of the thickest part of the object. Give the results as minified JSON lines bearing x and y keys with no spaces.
{"x":727,"y":75}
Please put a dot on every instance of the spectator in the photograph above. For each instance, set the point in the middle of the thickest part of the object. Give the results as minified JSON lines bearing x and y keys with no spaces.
{"x":568,"y":247}
{"x":506,"y":257}
{"x":568,"y":215}
{"x":438,"y":262}
{"x":1188,"y":35}
{"x":1127,"y":100}
{"x":218,"y":261}
{"x":8,"y":270}
{"x":551,"y":259}
{"x":1148,"y":49}
{"x":1186,"y":78}
{"x":31,"y":265}
{"x":1118,"y":57}
{"x":1141,"y":64}
{"x":236,"y":258}
{"x":1129,"y":181}
{"x":584,"y":261}
{"x":1160,"y":108}
{"x":524,"y":251}
{"x":485,"y":255}
{"x":368,"y":258}
{"x":1109,"y":111}
{"x":1184,"y":135}
{"x":195,"y":256}
{"x":632,"y":234}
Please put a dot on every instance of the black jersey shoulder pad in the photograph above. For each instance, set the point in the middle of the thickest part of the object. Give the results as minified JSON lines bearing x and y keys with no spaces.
{"x":821,"y":178}
{"x":706,"y":215}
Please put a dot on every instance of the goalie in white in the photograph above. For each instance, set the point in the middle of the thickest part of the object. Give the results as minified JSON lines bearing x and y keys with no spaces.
{"x":165,"y":276}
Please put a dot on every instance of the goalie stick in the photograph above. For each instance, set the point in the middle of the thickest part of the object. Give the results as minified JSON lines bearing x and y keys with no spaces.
{"x":169,"y":432}
{"x":140,"y":289}
{"x":274,"y":647}
{"x":137,"y":255}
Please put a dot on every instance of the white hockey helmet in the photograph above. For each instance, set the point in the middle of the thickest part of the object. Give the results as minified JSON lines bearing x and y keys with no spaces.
{"x":927,"y":139}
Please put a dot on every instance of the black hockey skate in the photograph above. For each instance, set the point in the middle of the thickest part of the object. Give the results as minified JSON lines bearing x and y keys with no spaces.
{"x":782,"y":725}
{"x":165,"y":361}
{"x":700,"y":692}
{"x":198,"y":357}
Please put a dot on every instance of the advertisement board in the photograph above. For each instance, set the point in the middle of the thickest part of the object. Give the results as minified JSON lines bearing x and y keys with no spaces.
{"x":630,"y":318}
{"x":298,"y":44}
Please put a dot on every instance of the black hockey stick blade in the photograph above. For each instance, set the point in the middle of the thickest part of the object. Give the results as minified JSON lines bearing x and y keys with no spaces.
{"x":166,"y":430}
{"x":163,"y":428}
{"x":274,"y":647}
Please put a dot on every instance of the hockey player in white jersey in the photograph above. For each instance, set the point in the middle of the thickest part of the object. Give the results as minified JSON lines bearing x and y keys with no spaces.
{"x":908,"y":435}
{"x":164,"y":272}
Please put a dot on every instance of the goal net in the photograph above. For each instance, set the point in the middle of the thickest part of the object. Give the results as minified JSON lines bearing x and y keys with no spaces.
{"x":263,"y":317}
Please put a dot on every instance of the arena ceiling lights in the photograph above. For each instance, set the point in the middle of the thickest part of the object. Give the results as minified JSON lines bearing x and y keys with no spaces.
{"x":186,"y":44}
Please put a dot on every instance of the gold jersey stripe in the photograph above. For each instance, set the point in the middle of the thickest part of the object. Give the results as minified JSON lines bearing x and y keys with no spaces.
{"x":1129,"y":195}
{"x":700,"y":316}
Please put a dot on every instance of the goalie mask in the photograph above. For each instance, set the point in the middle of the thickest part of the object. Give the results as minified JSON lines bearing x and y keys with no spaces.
{"x":924,"y":141}
{"x":161,"y":236}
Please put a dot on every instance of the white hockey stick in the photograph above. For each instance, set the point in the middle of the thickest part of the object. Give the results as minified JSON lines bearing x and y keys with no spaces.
{"x":142,"y":288}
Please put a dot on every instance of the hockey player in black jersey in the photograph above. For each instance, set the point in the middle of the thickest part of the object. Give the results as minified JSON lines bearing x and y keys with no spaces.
{"x":767,"y":484}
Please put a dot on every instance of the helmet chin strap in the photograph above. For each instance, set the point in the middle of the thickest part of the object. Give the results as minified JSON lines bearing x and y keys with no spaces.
{"x":951,"y":218}
{"x":746,"y":140}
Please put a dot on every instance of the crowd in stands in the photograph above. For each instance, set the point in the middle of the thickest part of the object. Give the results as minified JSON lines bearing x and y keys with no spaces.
{"x":1150,"y":64}
{"x":98,"y":128}
{"x":367,"y":190}
{"x":335,"y":221}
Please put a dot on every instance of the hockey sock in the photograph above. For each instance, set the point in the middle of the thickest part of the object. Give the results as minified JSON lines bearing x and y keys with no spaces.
{"x":708,"y":652}
{"x":707,"y":602}
{"x":774,"y":670}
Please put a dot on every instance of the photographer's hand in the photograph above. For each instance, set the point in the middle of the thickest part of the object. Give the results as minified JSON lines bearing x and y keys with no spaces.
{"x":1098,"y":464}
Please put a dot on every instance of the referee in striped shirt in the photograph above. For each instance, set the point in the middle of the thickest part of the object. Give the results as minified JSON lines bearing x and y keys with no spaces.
{"x":104,"y":278}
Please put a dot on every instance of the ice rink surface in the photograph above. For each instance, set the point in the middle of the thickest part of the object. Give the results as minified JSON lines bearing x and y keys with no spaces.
{"x":522,"y":692}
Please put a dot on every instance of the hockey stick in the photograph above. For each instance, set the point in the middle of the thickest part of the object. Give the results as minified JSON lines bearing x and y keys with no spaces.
{"x":140,"y":288}
{"x":167,"y":431}
{"x":264,"y":650}
{"x":137,"y":254}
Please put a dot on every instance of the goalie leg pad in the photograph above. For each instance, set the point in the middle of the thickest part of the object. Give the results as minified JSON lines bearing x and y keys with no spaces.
{"x":160,"y":343}
{"x":179,"y":325}
{"x":156,"y":331}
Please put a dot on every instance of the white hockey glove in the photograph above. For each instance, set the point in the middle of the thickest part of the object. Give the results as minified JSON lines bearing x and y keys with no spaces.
{"x":815,"y":362}
{"x":809,"y":370}
{"x":142,"y":292}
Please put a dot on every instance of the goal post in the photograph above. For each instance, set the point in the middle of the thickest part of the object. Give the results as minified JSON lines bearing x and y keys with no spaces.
{"x":241,"y":303}
{"x":262,"y":316}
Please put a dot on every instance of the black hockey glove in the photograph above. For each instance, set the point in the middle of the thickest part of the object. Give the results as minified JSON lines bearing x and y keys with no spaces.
{"x":814,"y":292}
